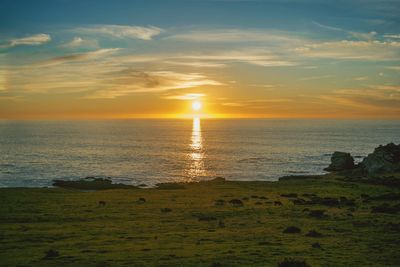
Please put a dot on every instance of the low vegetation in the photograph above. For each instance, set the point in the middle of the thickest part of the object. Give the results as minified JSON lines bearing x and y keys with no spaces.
{"x":331,"y":222}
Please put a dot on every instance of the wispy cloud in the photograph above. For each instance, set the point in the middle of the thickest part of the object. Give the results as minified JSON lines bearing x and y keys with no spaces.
{"x":195,"y":64}
{"x":352,"y":50}
{"x":315,"y":77}
{"x":37,"y":39}
{"x":358,"y":35}
{"x":254,"y":56}
{"x":100,"y":53}
{"x":121,"y":31}
{"x":237,"y":35}
{"x":214,"y":59}
{"x":392,"y":36}
{"x":393,"y":68}
{"x":78,"y":42}
{"x":184,"y":96}
{"x":133,"y":81}
{"x":361,"y":78}
{"x":386,"y":97}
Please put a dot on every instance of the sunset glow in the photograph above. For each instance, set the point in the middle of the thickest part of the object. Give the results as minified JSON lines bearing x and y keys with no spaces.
{"x":269,"y":64}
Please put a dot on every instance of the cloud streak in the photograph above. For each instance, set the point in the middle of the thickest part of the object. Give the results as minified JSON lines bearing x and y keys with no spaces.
{"x":121,"y":31}
{"x":37,"y":39}
{"x":78,"y":42}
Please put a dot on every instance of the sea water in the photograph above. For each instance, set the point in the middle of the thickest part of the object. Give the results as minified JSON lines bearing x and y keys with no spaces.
{"x":33,"y":153}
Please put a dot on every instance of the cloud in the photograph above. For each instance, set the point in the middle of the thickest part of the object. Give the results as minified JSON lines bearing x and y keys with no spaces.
{"x":37,"y":39}
{"x":184,"y":96}
{"x":100,"y":53}
{"x":358,"y":35}
{"x":196,"y":64}
{"x":215,"y":59}
{"x":132,"y":81}
{"x":254,"y":56}
{"x":121,"y":31}
{"x":352,"y":50}
{"x":316,"y":77}
{"x":78,"y":42}
{"x":393,"y":68}
{"x":77,"y":74}
{"x":237,"y":35}
{"x":361,"y":78}
{"x":392,"y":36}
{"x":381,"y":97}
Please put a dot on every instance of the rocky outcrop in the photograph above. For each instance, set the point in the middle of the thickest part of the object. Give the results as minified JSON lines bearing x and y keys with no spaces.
{"x":384,"y":159}
{"x":340,"y":161}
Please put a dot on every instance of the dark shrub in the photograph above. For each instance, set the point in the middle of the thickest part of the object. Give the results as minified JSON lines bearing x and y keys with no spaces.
{"x":205,"y":218}
{"x":316,"y":245}
{"x":314,"y":233}
{"x":386,"y":208}
{"x":298,"y":201}
{"x":292,"y":230}
{"x":51,"y":253}
{"x":166,"y":210}
{"x":317,"y":213}
{"x":289,"y":195}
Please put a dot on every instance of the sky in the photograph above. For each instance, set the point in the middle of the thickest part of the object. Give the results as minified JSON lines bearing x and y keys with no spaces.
{"x":239,"y":58}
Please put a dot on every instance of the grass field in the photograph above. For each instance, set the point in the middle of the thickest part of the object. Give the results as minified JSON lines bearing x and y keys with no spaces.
{"x":199,"y":225}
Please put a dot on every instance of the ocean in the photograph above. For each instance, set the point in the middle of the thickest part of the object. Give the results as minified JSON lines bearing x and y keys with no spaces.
{"x":33,"y":153}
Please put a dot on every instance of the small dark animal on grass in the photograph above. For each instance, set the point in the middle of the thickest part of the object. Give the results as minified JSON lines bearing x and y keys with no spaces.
{"x":236,"y":202}
{"x":293,"y":263}
{"x":292,"y":230}
{"x":51,"y":253}
{"x":166,"y":210}
{"x":277,"y":203}
{"x":102,"y":203}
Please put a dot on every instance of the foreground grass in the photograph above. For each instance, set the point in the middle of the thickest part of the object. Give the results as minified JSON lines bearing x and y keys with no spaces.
{"x":187,"y":227}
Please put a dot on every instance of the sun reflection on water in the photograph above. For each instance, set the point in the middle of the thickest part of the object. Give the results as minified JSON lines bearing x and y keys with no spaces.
{"x":196,"y":154}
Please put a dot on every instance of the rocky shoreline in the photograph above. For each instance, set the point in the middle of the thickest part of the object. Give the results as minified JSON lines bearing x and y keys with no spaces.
{"x":375,"y":168}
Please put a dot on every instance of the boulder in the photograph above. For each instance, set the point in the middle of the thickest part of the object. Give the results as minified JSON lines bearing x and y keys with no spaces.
{"x":384,"y":159}
{"x":340,"y":161}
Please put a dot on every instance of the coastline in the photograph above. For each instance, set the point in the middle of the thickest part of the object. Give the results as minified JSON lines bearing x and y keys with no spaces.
{"x":336,"y":222}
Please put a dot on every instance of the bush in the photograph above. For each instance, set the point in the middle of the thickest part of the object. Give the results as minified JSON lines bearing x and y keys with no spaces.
{"x":292,"y":230}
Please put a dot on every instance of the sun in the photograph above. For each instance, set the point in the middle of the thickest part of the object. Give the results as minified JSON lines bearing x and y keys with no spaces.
{"x":196,"y":105}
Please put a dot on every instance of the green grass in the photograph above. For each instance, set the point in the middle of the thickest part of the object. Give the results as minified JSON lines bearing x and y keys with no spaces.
{"x":128,"y":232}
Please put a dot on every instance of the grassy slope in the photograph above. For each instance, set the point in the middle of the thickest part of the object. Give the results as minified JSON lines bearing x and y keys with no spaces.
{"x":128,"y":233}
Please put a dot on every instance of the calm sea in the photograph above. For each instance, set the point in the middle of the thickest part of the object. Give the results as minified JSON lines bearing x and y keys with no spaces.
{"x":33,"y":153}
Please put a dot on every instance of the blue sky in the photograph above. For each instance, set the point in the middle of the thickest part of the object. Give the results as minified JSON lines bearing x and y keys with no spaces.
{"x":67,"y":58}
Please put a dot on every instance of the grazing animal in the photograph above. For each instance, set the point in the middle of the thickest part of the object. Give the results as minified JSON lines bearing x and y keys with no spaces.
{"x":236,"y":202}
{"x":277,"y":203}
{"x":102,"y":203}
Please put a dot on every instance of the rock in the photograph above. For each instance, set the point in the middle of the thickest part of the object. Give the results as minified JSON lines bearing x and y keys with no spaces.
{"x":90,"y":183}
{"x":384,"y":159}
{"x":340,"y":161}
